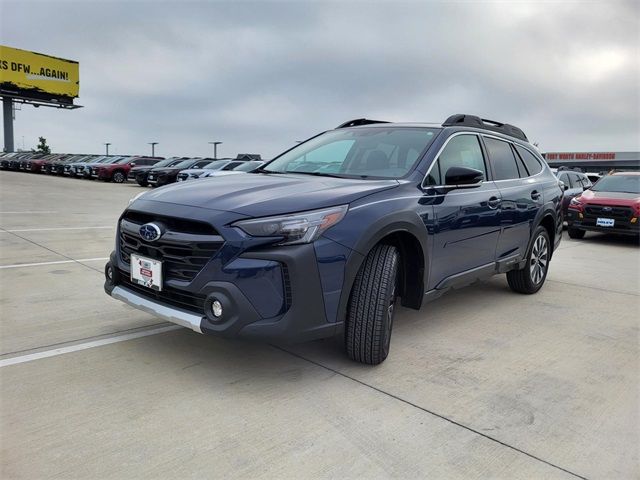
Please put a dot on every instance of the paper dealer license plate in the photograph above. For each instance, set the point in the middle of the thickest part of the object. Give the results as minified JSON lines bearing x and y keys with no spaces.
{"x":146,"y":272}
{"x":605,"y":222}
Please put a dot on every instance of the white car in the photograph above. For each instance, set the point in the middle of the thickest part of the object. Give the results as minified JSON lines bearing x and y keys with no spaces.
{"x":243,"y":167}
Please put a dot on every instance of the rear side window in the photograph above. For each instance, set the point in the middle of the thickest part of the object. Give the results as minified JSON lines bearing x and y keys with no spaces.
{"x":532,"y":163}
{"x":461,"y":151}
{"x":502,"y":159}
{"x":566,"y":179}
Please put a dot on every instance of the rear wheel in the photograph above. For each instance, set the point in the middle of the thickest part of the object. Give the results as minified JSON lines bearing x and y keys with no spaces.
{"x":372,"y":306}
{"x":118,"y":177}
{"x":531,"y":277}
{"x":576,"y":233}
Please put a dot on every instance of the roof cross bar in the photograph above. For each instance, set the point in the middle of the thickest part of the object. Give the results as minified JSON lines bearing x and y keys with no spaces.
{"x":462,"y":119}
{"x":359,"y":121}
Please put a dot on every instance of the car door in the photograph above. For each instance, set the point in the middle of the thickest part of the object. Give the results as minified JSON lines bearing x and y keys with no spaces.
{"x":465,"y":225}
{"x":521,"y":193}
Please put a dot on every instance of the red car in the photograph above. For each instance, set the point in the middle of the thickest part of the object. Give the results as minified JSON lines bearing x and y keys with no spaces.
{"x":611,"y":205}
{"x":118,"y":171}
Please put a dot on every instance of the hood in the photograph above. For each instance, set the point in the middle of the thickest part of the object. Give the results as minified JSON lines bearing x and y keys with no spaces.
{"x":218,"y":173}
{"x":610,"y":198}
{"x":262,"y":194}
{"x":142,"y":168}
{"x":166,"y":170}
{"x":193,"y":170}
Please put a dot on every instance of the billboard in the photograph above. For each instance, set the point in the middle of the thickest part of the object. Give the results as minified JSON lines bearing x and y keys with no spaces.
{"x":37,"y":76}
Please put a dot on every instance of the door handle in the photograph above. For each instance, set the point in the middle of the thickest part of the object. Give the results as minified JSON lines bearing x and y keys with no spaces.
{"x":535,"y":195}
{"x":493,"y":202}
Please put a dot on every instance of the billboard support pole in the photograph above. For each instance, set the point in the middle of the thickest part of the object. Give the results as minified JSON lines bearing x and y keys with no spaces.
{"x":7,"y":120}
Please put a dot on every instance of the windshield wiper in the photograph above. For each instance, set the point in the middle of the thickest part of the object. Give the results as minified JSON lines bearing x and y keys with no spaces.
{"x":332,"y":175}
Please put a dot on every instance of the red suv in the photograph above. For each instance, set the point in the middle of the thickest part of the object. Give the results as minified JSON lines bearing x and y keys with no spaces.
{"x":118,"y":171}
{"x":611,"y":205}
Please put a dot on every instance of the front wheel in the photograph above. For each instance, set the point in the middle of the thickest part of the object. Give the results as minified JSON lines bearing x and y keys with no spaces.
{"x":531,"y":277}
{"x":372,"y":306}
{"x":118,"y":177}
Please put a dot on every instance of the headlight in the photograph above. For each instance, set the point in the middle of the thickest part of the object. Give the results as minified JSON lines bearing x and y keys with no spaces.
{"x":136,"y":197}
{"x":297,"y":228}
{"x":575,"y":201}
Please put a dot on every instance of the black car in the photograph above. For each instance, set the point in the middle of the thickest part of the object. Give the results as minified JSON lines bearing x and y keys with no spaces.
{"x":139,"y":173}
{"x":163,"y":176}
{"x":330,"y":236}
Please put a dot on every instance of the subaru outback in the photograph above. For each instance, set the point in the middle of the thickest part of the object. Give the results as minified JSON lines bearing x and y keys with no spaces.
{"x":328,"y":237}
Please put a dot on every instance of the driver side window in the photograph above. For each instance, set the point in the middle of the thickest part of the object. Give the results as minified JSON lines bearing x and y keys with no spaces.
{"x":461,"y":151}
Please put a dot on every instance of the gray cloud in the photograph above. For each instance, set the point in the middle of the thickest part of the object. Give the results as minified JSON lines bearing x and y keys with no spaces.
{"x":260,"y":75}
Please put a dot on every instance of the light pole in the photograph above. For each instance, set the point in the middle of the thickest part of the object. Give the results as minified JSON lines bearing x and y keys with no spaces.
{"x":153,"y":148}
{"x":107,"y":147}
{"x":215,"y":149}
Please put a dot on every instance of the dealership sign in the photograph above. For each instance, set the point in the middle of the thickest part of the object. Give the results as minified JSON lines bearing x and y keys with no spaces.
{"x":35,"y":75}
{"x":580,"y":156}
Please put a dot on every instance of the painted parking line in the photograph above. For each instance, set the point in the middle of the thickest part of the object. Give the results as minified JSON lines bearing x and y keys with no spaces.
{"x":57,"y":262}
{"x":57,"y":228}
{"x":34,"y":212}
{"x":84,"y":346}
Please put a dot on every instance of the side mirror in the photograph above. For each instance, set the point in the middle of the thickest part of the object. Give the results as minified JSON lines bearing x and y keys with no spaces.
{"x":463,"y":177}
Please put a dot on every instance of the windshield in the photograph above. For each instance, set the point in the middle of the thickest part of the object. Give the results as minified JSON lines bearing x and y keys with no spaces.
{"x":184,"y":164}
{"x":380,"y":152}
{"x":247,"y":166}
{"x":123,"y":160}
{"x":618,"y":183}
{"x":217,"y":164}
{"x":165,"y":163}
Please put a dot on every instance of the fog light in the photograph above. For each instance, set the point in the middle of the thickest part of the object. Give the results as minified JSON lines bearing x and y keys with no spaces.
{"x":634,"y":219}
{"x":109,"y":272}
{"x":580,"y":216}
{"x":216,"y":308}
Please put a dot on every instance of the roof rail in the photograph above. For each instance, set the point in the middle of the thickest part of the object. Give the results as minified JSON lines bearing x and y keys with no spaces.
{"x":485,"y":124}
{"x":359,"y":121}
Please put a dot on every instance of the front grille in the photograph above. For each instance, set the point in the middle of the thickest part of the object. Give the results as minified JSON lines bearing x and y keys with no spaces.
{"x":185,"y":247}
{"x":617,"y":213}
{"x":177,"y":298}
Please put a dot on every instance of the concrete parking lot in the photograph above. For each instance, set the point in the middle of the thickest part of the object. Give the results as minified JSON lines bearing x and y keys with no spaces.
{"x":482,"y":383}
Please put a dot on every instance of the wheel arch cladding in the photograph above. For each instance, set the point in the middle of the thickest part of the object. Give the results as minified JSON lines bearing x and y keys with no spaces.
{"x":411,"y":266}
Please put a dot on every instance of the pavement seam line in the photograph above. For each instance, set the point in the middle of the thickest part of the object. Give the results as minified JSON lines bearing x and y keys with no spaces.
{"x":594,"y":288}
{"x":85,"y":346}
{"x":51,"y":250}
{"x":430,"y":412}
{"x":86,"y":339}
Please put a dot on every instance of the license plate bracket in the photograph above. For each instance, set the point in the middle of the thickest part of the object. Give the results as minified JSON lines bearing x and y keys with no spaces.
{"x":146,"y":272}
{"x":605,"y":222}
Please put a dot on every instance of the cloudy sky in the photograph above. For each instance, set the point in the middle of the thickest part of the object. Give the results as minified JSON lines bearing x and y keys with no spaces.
{"x":260,"y":75}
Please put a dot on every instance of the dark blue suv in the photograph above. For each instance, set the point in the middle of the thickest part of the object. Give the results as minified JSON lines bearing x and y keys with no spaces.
{"x":327,"y":237}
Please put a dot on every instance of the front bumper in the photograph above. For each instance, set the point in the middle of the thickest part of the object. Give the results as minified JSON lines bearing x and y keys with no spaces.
{"x":583,"y":221}
{"x":246,"y":294}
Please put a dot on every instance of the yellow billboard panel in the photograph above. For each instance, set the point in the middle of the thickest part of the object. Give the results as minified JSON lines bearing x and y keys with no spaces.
{"x":37,"y":73}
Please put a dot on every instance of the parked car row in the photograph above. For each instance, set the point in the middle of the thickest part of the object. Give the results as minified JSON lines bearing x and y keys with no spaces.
{"x":146,"y":171}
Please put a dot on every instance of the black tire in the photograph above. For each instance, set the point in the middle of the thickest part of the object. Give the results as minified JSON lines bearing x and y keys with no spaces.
{"x":118,"y":176}
{"x":576,"y":233}
{"x":531,"y":277}
{"x":372,"y":306}
{"x":142,"y":183}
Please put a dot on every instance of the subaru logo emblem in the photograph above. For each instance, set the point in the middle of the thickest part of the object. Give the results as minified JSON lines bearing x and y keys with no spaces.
{"x":606,"y":209}
{"x":150,"y":232}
